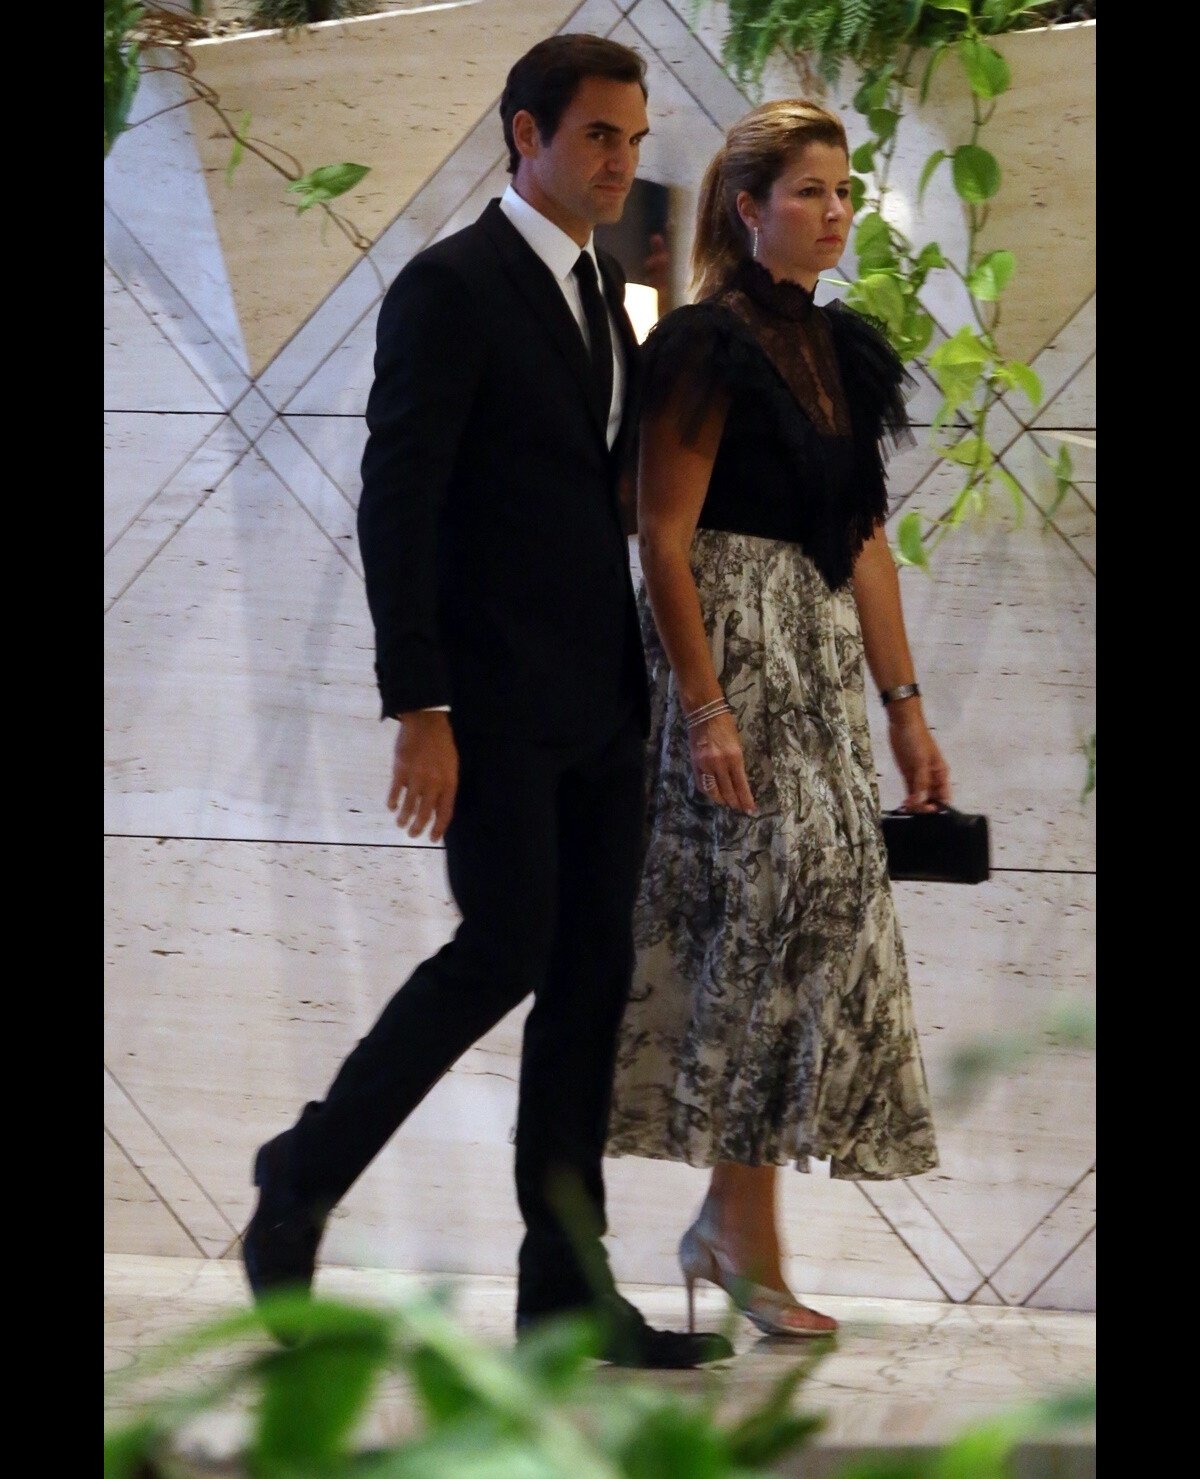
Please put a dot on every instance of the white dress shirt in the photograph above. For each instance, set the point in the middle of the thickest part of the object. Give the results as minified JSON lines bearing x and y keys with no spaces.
{"x":560,"y":253}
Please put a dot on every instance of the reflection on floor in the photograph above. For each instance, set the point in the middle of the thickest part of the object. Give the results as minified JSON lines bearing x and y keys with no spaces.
{"x":904,"y":1374}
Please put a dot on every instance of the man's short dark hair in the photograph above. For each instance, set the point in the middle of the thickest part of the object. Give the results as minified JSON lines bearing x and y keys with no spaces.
{"x":547,"y":77}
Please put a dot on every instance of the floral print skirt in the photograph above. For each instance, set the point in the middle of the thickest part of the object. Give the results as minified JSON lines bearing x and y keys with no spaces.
{"x":770,"y":1018}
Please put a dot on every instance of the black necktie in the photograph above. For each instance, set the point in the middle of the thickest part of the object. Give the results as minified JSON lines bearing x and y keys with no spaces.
{"x":599,"y":338}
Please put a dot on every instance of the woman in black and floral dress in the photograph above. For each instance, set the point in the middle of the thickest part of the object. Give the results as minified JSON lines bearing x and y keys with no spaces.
{"x":770,"y":1017}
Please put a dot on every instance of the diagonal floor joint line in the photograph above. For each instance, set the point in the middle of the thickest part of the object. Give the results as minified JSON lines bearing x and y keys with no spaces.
{"x":163,"y":1202}
{"x":196,"y":1182}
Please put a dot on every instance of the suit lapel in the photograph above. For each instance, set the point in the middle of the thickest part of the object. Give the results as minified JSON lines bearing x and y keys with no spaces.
{"x":537,"y":286}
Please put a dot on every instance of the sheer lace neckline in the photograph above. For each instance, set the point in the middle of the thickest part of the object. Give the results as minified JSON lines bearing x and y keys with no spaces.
{"x":783,"y":299}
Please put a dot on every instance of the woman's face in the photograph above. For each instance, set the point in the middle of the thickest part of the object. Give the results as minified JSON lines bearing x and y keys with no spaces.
{"x":805,"y":220}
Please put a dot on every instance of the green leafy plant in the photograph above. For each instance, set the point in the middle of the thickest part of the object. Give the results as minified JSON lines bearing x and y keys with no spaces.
{"x":121,"y":75}
{"x":533,"y":1412}
{"x":898,"y":46}
{"x":131,"y":29}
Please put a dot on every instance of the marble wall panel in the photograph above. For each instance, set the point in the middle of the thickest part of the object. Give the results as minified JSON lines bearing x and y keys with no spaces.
{"x":154,"y":188}
{"x":143,"y":371}
{"x":252,"y":414}
{"x":207,"y":1229}
{"x":1049,"y":1249}
{"x":326,"y":502}
{"x":143,"y":450}
{"x":240,"y":695}
{"x":135,"y":1218}
{"x":336,"y":444}
{"x":167,"y":510}
{"x":1062,"y":1288}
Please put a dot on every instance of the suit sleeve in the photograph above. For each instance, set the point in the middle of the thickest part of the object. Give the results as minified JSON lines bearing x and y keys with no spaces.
{"x":428,"y":361}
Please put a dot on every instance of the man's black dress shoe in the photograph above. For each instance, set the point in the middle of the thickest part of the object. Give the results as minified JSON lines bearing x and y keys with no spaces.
{"x":629,"y":1341}
{"x":279,"y":1247}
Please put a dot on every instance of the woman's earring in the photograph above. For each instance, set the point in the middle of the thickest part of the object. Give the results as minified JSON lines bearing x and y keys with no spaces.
{"x":754,"y":244}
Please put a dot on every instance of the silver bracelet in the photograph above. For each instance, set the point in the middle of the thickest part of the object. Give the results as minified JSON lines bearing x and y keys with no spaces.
{"x":706,"y":712}
{"x":902,"y":690}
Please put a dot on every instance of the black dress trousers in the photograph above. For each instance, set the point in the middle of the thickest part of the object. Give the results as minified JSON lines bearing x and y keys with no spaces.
{"x":543,"y":855}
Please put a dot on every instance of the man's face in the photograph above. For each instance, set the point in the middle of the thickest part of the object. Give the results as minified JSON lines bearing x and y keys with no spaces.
{"x":581,"y":177}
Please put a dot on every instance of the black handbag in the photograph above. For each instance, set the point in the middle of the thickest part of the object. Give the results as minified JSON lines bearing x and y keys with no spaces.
{"x":943,"y":846}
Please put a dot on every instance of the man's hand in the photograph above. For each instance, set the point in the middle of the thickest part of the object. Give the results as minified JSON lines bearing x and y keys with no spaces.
{"x":425,"y":772}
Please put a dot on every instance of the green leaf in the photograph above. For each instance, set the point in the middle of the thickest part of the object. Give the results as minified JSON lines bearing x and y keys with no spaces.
{"x":929,"y":257}
{"x":987,"y":71}
{"x":873,"y":243}
{"x":962,"y":6}
{"x":880,"y":295}
{"x":1015,"y":492}
{"x":957,"y":366}
{"x":1063,"y":470}
{"x":1014,"y":375}
{"x":917,"y":331}
{"x":555,"y":1352}
{"x":882,"y":122}
{"x":931,"y":164}
{"x":326,"y":182}
{"x":128,"y":1450}
{"x":672,"y":1442}
{"x":972,"y":452}
{"x":976,"y":173}
{"x":990,"y":276}
{"x":313,"y":1396}
{"x":873,"y":90}
{"x":940,"y":52}
{"x":908,"y":537}
{"x":863,"y":158}
{"x":858,"y":193}
{"x":235,"y":154}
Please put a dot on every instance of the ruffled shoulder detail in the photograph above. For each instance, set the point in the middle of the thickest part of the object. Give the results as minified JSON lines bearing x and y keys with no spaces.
{"x":875,"y":381}
{"x":697,"y":356}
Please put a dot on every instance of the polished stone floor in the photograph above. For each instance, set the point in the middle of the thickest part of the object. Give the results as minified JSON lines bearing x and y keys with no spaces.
{"x":904,"y":1373}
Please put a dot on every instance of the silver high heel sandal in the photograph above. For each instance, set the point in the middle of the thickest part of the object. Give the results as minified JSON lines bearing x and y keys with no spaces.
{"x":765,"y":1308}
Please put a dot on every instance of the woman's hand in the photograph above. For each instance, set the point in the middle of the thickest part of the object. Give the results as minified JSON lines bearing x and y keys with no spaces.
{"x":716,"y":750}
{"x":926,"y":774}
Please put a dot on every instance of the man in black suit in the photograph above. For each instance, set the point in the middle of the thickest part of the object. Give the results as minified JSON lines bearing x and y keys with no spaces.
{"x":507,"y":647}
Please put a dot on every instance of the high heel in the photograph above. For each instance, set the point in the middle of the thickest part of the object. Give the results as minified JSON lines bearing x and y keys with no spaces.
{"x":768,"y":1309}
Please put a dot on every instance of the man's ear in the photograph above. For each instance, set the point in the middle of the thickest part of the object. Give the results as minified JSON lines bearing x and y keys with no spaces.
{"x":525,"y":134}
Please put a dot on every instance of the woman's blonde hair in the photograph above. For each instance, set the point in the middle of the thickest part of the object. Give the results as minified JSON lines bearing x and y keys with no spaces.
{"x":757,"y":149}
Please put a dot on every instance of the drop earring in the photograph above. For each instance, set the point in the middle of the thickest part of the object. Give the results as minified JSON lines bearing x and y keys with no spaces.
{"x":754,"y":243}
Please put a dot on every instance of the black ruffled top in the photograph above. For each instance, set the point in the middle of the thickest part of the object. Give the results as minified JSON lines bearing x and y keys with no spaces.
{"x":813,"y":395}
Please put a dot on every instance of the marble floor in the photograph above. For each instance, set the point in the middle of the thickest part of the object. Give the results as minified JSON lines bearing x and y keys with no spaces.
{"x":905,"y":1374}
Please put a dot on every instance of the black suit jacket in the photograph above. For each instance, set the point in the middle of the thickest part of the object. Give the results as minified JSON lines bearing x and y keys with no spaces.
{"x":497,"y":570}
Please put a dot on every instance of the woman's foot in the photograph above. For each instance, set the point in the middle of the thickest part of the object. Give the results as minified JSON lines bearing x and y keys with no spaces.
{"x":765,"y":1300}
